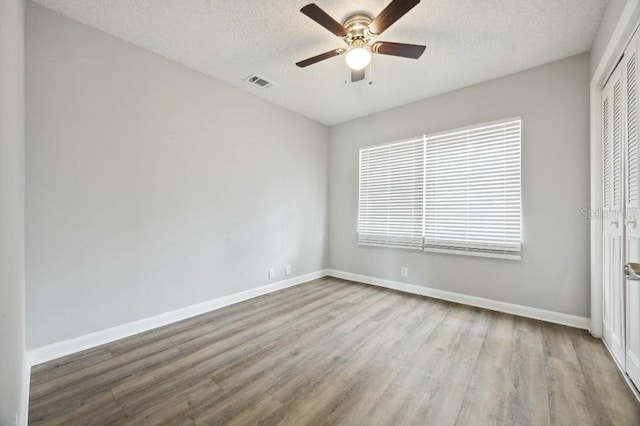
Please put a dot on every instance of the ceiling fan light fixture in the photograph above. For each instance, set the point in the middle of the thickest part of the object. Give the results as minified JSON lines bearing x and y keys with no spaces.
{"x":358,"y":56}
{"x":358,"y":31}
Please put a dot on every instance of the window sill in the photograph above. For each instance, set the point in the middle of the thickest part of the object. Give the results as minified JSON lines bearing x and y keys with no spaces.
{"x":514,"y":256}
{"x":387,"y":245}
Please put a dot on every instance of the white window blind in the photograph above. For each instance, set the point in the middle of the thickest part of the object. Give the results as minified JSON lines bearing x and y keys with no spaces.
{"x":472,"y":189}
{"x":391,"y":194}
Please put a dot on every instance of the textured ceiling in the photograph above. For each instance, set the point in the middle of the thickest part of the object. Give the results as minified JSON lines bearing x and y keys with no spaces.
{"x":468,"y":41}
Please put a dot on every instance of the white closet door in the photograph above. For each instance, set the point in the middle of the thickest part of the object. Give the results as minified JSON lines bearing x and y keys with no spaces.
{"x":632,"y":230}
{"x":613,"y":226}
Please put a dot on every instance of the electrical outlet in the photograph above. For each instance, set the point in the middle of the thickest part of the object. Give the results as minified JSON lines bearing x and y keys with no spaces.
{"x":272,"y":273}
{"x":404,"y":271}
{"x":287,"y":270}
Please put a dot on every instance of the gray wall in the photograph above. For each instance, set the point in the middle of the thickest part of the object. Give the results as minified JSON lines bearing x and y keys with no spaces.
{"x":553,"y":101}
{"x":151,"y":187}
{"x":12,"y":328}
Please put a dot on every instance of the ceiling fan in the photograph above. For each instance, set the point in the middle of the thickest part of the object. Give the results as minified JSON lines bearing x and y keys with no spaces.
{"x":359,"y":31}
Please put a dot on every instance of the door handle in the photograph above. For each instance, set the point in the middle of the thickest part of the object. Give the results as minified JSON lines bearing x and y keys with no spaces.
{"x":631,"y":222}
{"x":632,"y":271}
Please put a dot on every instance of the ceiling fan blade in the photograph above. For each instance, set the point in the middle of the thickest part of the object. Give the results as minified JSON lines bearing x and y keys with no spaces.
{"x":320,"y":57}
{"x":357,"y":75}
{"x":321,"y":17}
{"x":394,"y":11}
{"x":404,"y":50}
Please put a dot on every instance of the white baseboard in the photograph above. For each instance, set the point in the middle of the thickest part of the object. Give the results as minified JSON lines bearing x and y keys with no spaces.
{"x":67,"y":347}
{"x":57,"y":350}
{"x":494,"y":305}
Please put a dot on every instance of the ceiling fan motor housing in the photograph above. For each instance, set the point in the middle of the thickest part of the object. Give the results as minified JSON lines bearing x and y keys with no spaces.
{"x":357,"y":26}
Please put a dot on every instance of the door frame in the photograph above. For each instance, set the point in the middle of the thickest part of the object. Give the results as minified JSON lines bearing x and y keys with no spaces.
{"x":620,"y":37}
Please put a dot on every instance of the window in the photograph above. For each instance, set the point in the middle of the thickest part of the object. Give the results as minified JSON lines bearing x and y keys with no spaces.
{"x":392,"y":194}
{"x":472,"y":189}
{"x":454,"y":192}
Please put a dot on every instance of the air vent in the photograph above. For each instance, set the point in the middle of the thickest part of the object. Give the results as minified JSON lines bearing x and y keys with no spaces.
{"x":258,"y":81}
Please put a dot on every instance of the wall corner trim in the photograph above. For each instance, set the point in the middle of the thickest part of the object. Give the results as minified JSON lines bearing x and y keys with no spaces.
{"x":23,"y":419}
{"x":494,"y":305}
{"x":77,"y":344}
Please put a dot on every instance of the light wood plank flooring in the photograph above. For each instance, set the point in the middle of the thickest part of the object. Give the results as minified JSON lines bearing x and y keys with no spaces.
{"x":335,"y":352}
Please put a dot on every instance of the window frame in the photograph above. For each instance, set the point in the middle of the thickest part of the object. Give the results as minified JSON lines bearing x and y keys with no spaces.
{"x":515,"y":255}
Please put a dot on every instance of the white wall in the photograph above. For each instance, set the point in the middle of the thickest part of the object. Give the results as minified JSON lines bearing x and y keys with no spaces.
{"x":12,"y":328}
{"x":553,"y":101}
{"x":151,"y":187}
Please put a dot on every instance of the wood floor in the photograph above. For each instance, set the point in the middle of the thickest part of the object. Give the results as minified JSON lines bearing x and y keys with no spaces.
{"x":335,"y":352}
